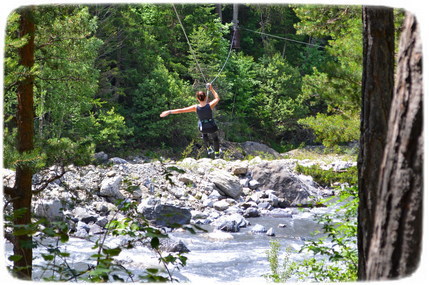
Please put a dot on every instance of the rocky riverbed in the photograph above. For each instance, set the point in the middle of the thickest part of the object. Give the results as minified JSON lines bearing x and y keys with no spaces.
{"x":219,"y":194}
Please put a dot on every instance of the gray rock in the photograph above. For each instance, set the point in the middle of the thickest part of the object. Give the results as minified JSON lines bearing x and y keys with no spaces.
{"x":221,"y":205}
{"x":264,"y":205}
{"x":228,"y":226}
{"x":110,"y":187}
{"x":196,"y":215}
{"x":228,"y":184}
{"x":8,"y":177}
{"x":281,"y":213}
{"x":95,"y":229}
{"x":49,"y":209}
{"x":254,"y":184}
{"x":244,"y":182}
{"x":101,"y":157}
{"x":229,"y":222}
{"x":102,"y":222}
{"x":258,"y":229}
{"x":187,"y":179}
{"x":89,"y":219}
{"x":252,"y":212}
{"x":169,"y":245}
{"x":117,"y":160}
{"x":271,"y":232}
{"x":273,"y":200}
{"x":82,"y":230}
{"x":277,"y":175}
{"x":208,"y":203}
{"x":255,"y":148}
{"x":234,"y":210}
{"x":167,"y":215}
{"x":239,"y":168}
{"x":215,"y":195}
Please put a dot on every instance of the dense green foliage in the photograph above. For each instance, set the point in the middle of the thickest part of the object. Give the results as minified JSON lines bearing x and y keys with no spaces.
{"x":329,"y":177}
{"x":104,"y":73}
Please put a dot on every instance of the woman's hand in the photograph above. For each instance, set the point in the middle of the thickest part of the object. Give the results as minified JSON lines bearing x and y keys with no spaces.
{"x":165,"y":114}
{"x":209,"y":86}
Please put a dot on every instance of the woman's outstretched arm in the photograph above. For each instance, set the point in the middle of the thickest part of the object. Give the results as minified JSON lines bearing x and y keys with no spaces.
{"x":179,"y":111}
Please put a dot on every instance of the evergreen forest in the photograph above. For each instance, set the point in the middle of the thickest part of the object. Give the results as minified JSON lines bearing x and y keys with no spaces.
{"x":104,"y":73}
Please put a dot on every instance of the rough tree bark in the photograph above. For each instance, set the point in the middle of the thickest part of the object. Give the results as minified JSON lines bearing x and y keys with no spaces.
{"x":21,"y":194}
{"x":236,"y":30}
{"x":219,"y":11}
{"x":395,"y":245}
{"x":377,"y":93}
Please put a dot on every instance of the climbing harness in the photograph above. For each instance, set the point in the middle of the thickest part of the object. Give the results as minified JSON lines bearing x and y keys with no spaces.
{"x":195,"y":57}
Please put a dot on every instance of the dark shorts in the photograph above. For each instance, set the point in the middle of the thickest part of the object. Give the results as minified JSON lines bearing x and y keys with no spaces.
{"x":207,"y":126}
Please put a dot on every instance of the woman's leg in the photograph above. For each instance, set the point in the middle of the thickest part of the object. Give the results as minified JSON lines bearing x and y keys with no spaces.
{"x":206,"y":140}
{"x":215,"y":141}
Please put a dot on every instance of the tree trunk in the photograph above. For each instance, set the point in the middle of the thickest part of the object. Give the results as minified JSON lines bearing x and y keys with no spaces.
{"x":219,"y":11}
{"x":22,"y":189}
{"x":236,"y":30}
{"x":395,"y":245}
{"x":377,"y":93}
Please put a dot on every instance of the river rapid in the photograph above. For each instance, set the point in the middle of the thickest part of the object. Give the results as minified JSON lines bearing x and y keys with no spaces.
{"x":233,"y":257}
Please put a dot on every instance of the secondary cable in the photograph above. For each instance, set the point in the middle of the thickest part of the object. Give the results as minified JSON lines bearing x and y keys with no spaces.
{"x":283,"y":38}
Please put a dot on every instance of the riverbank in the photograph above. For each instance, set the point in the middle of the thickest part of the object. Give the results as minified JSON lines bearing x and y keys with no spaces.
{"x":240,"y":203}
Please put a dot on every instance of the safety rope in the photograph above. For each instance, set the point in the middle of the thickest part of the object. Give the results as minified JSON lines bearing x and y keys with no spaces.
{"x":283,"y":38}
{"x":227,"y":58}
{"x":190,"y":46}
{"x":195,"y":57}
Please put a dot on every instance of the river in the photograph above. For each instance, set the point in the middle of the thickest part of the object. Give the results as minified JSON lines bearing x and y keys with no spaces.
{"x":242,"y":258}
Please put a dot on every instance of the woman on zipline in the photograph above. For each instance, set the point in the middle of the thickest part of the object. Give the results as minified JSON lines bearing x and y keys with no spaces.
{"x":206,"y":123}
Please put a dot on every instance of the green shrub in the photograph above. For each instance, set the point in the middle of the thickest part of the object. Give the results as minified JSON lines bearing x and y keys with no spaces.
{"x":328,"y":177}
{"x":332,"y":130}
{"x":337,"y":248}
{"x":279,"y":274}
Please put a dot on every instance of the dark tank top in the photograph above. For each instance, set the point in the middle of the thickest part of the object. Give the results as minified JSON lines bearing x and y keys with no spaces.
{"x":204,"y":113}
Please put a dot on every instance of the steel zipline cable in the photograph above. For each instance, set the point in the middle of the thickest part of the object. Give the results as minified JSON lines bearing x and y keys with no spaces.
{"x":190,"y":46}
{"x":283,"y":38}
{"x":194,"y":55}
{"x":227,"y":58}
{"x":231,"y":46}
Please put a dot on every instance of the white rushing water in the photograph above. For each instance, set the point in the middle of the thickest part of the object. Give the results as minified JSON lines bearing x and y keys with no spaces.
{"x":240,"y":258}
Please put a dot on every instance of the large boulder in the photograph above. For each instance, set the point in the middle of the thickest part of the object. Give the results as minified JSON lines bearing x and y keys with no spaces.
{"x":101,"y":157}
{"x":255,"y":149}
{"x":169,"y":245}
{"x":286,"y":185}
{"x":49,"y":209}
{"x":230,"y":223}
{"x":110,"y":187}
{"x":227,"y":184}
{"x":165,"y":215}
